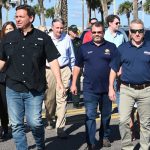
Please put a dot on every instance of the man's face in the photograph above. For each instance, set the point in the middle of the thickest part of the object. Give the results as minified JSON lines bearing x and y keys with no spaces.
{"x":57,"y":28}
{"x":23,"y":21}
{"x":136,"y":32}
{"x":97,"y":34}
{"x":114,"y":25}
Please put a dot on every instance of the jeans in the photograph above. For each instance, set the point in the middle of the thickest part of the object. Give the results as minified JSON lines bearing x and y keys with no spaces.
{"x":27,"y":104}
{"x":128,"y":97}
{"x":91,"y":101}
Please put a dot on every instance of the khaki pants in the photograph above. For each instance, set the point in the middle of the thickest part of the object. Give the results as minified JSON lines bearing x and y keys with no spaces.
{"x":128,"y":96}
{"x":54,"y":99}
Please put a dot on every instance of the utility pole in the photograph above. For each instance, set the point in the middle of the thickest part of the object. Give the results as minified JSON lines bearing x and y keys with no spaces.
{"x":82,"y":15}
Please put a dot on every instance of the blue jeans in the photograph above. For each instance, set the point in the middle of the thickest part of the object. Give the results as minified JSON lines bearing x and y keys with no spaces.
{"x":91,"y":101}
{"x":27,"y":104}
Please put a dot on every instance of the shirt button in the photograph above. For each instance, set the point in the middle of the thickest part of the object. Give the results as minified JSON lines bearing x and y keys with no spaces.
{"x":22,"y":46}
{"x":22,"y":55}
{"x":22,"y":64}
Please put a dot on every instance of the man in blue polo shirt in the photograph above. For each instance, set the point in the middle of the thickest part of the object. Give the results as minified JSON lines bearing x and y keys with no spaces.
{"x":96,"y":57}
{"x":134,"y":57}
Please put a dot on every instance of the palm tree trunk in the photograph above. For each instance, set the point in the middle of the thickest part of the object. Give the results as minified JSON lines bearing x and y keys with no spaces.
{"x":42,"y":12}
{"x":105,"y":8}
{"x":64,"y":13}
{"x":135,"y":9}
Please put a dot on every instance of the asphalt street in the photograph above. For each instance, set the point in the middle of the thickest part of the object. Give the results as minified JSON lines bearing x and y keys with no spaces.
{"x":76,"y":130}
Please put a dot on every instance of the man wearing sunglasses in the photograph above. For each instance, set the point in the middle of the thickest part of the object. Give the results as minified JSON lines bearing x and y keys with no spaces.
{"x":134,"y":57}
{"x":95,"y":58}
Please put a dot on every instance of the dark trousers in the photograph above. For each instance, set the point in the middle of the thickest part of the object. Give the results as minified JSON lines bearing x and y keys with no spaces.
{"x":3,"y":107}
{"x":91,"y":101}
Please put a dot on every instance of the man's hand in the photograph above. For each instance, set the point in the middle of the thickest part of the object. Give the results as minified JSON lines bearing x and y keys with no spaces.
{"x":61,"y":88}
{"x":112,"y":94}
{"x":73,"y":89}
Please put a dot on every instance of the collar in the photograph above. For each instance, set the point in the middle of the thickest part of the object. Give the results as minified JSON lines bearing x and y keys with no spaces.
{"x":28,"y":33}
{"x":102,"y":43}
{"x":131,"y":45}
{"x":116,"y":33}
{"x":54,"y":38}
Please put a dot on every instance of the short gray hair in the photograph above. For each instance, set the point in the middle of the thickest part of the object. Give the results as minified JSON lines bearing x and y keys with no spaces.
{"x":58,"y":20}
{"x":137,"y":21}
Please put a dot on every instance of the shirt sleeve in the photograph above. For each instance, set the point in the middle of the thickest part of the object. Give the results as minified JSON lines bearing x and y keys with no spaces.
{"x":71,"y":54}
{"x":79,"y":60}
{"x":115,"y":61}
{"x":50,"y":49}
{"x":2,"y":51}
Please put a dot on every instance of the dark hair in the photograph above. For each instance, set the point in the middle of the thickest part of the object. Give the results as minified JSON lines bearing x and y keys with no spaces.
{"x":28,"y":8}
{"x":93,"y":19}
{"x":58,"y":20}
{"x":4,"y":27}
{"x":99,"y":24}
{"x":111,"y":18}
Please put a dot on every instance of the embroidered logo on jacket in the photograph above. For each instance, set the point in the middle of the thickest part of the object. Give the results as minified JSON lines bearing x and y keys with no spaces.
{"x":107,"y":52}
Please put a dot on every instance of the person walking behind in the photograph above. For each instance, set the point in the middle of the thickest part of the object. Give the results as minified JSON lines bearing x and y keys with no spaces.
{"x":53,"y":96}
{"x":25,"y":51}
{"x":7,"y":27}
{"x":95,"y":57}
{"x":112,"y":34}
{"x":77,"y":42}
{"x":88,"y":35}
{"x":134,"y":57}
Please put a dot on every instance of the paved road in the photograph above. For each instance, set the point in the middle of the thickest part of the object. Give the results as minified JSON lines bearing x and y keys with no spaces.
{"x":75,"y":129}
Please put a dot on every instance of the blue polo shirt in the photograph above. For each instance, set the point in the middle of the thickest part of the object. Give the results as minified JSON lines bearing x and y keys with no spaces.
{"x":135,"y":63}
{"x":96,"y":61}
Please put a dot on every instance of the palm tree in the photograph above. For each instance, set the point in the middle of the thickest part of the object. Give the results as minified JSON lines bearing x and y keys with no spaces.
{"x":2,"y":2}
{"x":64,"y":13}
{"x":41,"y":8}
{"x":92,"y":5}
{"x":50,"y":13}
{"x":37,"y":11}
{"x":135,"y":9}
{"x":146,"y":6}
{"x":125,"y":8}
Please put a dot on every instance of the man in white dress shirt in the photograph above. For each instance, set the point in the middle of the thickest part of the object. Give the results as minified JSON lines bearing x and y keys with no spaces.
{"x":55,"y":102}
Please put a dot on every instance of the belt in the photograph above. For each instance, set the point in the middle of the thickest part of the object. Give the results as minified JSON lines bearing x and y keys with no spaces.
{"x":61,"y":67}
{"x":136,"y":86}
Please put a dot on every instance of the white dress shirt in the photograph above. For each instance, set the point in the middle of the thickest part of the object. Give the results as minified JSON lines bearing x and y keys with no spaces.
{"x":65,"y":48}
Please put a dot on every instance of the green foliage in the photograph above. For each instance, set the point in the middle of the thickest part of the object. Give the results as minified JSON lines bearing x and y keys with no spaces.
{"x":125,"y":8}
{"x":146,"y":6}
{"x":37,"y":9}
{"x":50,"y":13}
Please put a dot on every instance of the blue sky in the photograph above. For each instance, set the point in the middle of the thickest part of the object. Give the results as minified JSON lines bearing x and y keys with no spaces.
{"x":75,"y":13}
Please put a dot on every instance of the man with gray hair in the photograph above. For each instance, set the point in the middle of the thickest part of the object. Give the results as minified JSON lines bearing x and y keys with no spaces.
{"x":53,"y":96}
{"x":134,"y":57}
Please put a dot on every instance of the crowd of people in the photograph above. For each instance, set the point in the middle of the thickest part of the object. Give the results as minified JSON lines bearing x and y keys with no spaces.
{"x":37,"y":65}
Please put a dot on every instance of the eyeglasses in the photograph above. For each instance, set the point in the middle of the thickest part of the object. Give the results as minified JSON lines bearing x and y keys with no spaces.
{"x":117,"y":23}
{"x":98,"y":32}
{"x":137,"y":30}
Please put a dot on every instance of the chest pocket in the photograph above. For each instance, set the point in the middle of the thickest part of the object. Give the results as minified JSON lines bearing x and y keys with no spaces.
{"x":10,"y":47}
{"x":36,"y":47}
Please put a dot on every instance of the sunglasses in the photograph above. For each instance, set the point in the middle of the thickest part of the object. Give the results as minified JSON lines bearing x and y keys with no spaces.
{"x":98,"y":32}
{"x":137,"y":30}
{"x":117,"y":23}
